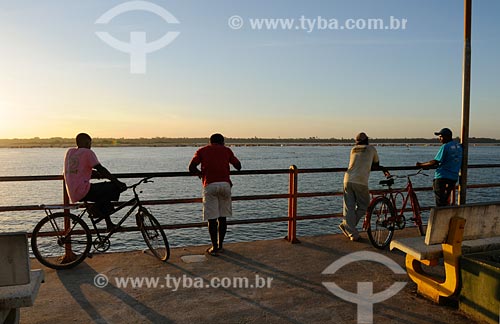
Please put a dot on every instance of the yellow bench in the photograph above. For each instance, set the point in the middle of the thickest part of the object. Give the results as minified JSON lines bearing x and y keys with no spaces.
{"x":451,"y":232}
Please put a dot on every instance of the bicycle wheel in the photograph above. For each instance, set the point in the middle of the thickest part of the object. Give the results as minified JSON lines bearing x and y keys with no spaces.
{"x":153,"y":234}
{"x":417,"y":216}
{"x":49,"y":240}
{"x":381,"y":227}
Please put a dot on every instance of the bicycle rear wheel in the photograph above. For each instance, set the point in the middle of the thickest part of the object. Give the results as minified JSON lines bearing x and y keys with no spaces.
{"x":417,"y":214}
{"x":380,"y":219}
{"x":153,"y":234}
{"x":50,"y":239}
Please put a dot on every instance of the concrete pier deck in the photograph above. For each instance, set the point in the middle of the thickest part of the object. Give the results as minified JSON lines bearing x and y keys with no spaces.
{"x":294,"y":272}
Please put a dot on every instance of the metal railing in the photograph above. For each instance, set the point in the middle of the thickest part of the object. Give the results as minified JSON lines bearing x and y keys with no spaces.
{"x":292,"y":195}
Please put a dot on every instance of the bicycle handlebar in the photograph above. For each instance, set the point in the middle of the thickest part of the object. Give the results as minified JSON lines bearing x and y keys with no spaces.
{"x":143,"y":180}
{"x":419,"y":172}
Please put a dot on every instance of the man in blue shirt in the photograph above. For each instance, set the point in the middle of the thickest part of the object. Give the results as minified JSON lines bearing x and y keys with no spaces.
{"x":448,"y":160}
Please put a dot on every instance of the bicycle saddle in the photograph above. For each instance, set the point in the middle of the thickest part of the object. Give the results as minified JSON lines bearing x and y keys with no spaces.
{"x":388,"y":182}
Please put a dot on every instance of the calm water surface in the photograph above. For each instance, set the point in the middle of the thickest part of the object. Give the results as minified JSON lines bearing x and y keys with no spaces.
{"x":48,"y":161}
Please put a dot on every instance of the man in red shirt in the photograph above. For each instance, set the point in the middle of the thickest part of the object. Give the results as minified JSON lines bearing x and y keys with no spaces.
{"x":215,"y":159}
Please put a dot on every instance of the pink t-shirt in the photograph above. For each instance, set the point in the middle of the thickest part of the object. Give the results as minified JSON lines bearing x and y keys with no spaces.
{"x":78,"y":165}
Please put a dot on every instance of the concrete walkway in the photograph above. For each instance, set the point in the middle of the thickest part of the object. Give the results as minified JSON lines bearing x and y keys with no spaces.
{"x":295,"y":295}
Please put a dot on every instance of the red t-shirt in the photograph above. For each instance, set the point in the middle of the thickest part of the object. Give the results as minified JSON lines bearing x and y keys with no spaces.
{"x":215,"y":159}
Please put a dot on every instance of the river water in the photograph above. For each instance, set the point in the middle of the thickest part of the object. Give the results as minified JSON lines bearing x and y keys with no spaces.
{"x":48,"y":161}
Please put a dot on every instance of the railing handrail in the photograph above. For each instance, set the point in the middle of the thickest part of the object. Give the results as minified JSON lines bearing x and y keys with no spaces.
{"x":140,"y":175}
{"x":235,"y":198}
{"x":292,"y":194}
{"x":242,"y":172}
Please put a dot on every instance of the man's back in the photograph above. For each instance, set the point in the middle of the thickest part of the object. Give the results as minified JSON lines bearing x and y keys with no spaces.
{"x":78,"y":164}
{"x":449,"y":157}
{"x":215,"y":160}
{"x":361,"y":159}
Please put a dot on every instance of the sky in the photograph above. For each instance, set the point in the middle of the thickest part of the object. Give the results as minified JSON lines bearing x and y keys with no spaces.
{"x":328,"y":75}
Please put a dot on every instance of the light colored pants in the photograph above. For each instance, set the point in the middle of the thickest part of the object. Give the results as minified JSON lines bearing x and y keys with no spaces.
{"x":217,"y":200}
{"x":356,"y":200}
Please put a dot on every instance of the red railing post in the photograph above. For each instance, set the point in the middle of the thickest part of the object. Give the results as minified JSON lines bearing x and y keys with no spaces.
{"x":292,"y":205}
{"x":68,"y":252}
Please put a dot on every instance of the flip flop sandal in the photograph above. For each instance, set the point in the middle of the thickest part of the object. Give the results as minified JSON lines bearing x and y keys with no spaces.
{"x":211,"y":251}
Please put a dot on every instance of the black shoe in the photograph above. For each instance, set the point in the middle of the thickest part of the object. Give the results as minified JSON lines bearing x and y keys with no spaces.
{"x":95,"y":214}
{"x":110,"y":226}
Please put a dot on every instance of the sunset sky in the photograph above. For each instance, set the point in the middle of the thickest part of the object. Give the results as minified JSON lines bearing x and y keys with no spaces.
{"x":59,"y":78}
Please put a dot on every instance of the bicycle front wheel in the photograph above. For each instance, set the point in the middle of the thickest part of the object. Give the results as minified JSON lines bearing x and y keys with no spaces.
{"x":381,"y":216}
{"x":153,"y":234}
{"x":417,"y":214}
{"x":57,"y":247}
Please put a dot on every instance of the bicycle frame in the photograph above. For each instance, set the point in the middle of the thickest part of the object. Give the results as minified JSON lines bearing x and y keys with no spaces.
{"x":135,"y":202}
{"x":407,"y":194}
{"x":384,"y":215}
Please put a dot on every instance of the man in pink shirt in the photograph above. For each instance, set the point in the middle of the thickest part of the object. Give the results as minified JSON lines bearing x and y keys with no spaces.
{"x":215,"y":159}
{"x":80,"y":164}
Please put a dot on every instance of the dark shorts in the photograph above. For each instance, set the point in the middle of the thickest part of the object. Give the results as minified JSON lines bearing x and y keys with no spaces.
{"x":103,"y":193}
{"x":442,"y":191}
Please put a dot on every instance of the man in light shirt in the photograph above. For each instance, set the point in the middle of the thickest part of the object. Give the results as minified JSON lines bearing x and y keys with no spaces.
{"x":363,"y":159}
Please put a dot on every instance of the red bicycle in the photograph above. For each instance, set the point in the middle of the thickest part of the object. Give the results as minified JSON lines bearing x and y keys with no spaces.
{"x":383,"y":216}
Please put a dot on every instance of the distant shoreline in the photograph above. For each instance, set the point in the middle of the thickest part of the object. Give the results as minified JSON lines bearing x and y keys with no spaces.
{"x":189,"y":142}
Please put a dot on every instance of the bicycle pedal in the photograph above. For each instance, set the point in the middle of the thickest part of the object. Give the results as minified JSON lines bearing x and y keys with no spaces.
{"x":89,"y":255}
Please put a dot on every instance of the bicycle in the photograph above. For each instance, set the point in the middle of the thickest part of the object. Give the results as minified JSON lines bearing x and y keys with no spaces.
{"x":382,"y":216}
{"x":63,"y":240}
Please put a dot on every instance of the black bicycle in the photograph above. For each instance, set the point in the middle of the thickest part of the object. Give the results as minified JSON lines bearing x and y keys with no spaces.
{"x":63,"y":240}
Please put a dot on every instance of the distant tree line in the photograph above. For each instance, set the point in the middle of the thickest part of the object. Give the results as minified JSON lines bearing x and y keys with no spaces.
{"x":184,"y":141}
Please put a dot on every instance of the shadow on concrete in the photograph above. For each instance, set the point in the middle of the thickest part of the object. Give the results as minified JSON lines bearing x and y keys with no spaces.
{"x":83,"y":275}
{"x":282,"y":316}
{"x":277,"y":274}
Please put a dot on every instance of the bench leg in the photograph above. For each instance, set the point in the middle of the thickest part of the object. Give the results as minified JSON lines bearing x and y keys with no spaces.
{"x":430,"y":286}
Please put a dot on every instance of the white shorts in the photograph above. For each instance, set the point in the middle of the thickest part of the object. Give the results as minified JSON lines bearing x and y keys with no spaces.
{"x":217,"y":200}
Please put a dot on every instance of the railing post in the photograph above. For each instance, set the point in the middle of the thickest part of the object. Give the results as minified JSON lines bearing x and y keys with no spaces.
{"x":292,"y":205}
{"x":466,"y":73}
{"x":68,"y":252}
